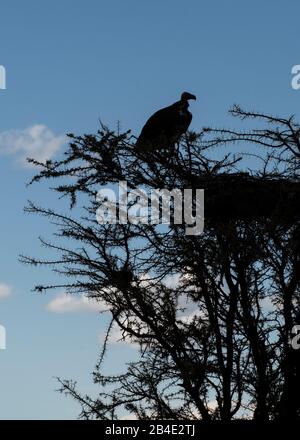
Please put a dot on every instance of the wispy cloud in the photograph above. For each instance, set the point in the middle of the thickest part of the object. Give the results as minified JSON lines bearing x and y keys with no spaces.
{"x":5,"y":290}
{"x":65,"y":303}
{"x":129,"y":417}
{"x":116,"y":336}
{"x":37,"y":142}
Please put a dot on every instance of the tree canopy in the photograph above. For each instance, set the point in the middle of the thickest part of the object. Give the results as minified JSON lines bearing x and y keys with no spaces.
{"x":215,"y":342}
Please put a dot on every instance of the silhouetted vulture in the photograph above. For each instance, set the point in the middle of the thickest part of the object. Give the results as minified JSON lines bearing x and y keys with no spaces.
{"x":164,"y":128}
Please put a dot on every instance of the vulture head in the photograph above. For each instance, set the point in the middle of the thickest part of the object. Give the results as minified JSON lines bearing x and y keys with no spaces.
{"x":185,"y":96}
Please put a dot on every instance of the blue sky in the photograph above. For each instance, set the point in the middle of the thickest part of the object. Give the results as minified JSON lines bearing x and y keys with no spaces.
{"x":69,"y":63}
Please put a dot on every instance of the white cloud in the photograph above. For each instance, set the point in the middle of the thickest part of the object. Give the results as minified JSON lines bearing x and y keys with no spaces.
{"x":37,"y":142}
{"x":65,"y":303}
{"x":5,"y":290}
{"x":129,"y":417}
{"x":116,"y":337}
{"x":172,"y":281}
{"x":213,"y":405}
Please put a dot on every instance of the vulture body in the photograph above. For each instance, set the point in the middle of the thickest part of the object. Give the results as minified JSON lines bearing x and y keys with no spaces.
{"x":165,"y":127}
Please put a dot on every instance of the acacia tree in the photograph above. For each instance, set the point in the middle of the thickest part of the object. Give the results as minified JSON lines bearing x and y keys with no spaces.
{"x":215,"y":343}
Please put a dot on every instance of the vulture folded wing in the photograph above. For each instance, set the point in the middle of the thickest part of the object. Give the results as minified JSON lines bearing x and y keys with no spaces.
{"x":157,"y":130}
{"x":164,"y":128}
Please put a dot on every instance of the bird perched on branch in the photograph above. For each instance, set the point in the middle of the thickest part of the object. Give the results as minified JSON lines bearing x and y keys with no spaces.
{"x":165,"y":127}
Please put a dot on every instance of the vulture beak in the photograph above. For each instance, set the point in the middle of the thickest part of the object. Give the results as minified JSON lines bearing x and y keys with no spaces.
{"x":186,"y":96}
